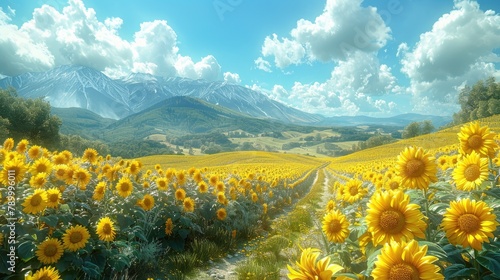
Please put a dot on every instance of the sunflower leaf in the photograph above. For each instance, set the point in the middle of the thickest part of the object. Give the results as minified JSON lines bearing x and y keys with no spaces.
{"x":458,"y":270}
{"x":50,"y":220}
{"x":434,"y":250}
{"x":490,"y":260}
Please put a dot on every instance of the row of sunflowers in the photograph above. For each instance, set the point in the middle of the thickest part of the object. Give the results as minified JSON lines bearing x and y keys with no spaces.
{"x":68,"y":217}
{"x":421,"y":215}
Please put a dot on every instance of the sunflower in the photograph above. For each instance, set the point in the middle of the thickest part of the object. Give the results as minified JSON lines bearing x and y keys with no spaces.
{"x":310,"y":268}
{"x":147,"y":202}
{"x":405,"y":261}
{"x":162,"y":184}
{"x":49,"y":251}
{"x":124,"y":187}
{"x":471,"y":172}
{"x":60,"y":171}
{"x":99,"y":191}
{"x":45,"y":273}
{"x":188,"y":204}
{"x":335,"y":226}
{"x":81,"y":177}
{"x":221,"y":197}
{"x":221,"y":214}
{"x":134,"y":167}
{"x":416,"y":168}
{"x":181,"y":178}
{"x":264,"y":208}
{"x":220,"y":186}
{"x":202,"y":187}
{"x":36,"y":202}
{"x":180,"y":194}
{"x":391,"y":217}
{"x":255,"y":197}
{"x":197,"y":176}
{"x":41,"y":165}
{"x":469,"y":223}
{"x":354,"y":191}
{"x":474,"y":137}
{"x":22,"y":146}
{"x":75,"y":238}
{"x":39,"y":180}
{"x":105,"y":229}
{"x":90,"y":155}
{"x":213,"y":180}
{"x":393,"y":184}
{"x":15,"y":168}
{"x":53,"y":197}
{"x":169,"y":226}
{"x":35,"y":152}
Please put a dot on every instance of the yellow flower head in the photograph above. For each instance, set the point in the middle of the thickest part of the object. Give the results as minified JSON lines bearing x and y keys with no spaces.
{"x":22,"y":146}
{"x":416,"y":168}
{"x":188,"y":204}
{"x":75,"y":238}
{"x":39,"y":180}
{"x":162,"y":184}
{"x":474,"y":137}
{"x":202,"y":187}
{"x":45,"y":273}
{"x":354,"y":191}
{"x":8,"y":144}
{"x":147,"y":202}
{"x":36,"y":202}
{"x":221,"y":214}
{"x":335,"y":226}
{"x":35,"y":152}
{"x":90,"y":155}
{"x":99,"y":191}
{"x":169,"y":227}
{"x":49,"y":251}
{"x":81,"y":177}
{"x":471,"y":172}
{"x":310,"y":268}
{"x":469,"y":223}
{"x":392,"y":217}
{"x":405,"y":261}
{"x":41,"y":165}
{"x":180,"y":194}
{"x":13,"y":169}
{"x":124,"y":187}
{"x":105,"y":229}
{"x":53,"y":197}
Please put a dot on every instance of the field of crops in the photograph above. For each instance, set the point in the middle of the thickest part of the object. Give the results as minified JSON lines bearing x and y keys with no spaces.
{"x":422,"y":208}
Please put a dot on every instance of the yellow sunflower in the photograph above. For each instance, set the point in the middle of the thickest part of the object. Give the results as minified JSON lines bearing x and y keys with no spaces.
{"x":188,"y":204}
{"x":393,"y":184}
{"x":169,"y":227}
{"x":181,"y":178}
{"x":124,"y":187}
{"x":49,"y":251}
{"x":90,"y":155}
{"x":213,"y":180}
{"x":197,"y":176}
{"x":36,"y":202}
{"x":264,"y":208}
{"x":416,"y":168}
{"x":405,"y":261}
{"x":13,"y":169}
{"x":180,"y":194}
{"x":99,"y":191}
{"x":392,"y":217}
{"x":134,"y":167}
{"x":221,"y":214}
{"x":330,"y":205}
{"x":75,"y":238}
{"x":22,"y":146}
{"x":8,"y":144}
{"x":39,"y":180}
{"x":474,"y":137}
{"x":354,"y":191}
{"x":41,"y":165}
{"x":471,"y":172}
{"x":45,"y":273}
{"x":147,"y":202}
{"x":105,"y":229}
{"x":255,"y":197}
{"x":469,"y":223}
{"x":81,"y":177}
{"x":202,"y":187}
{"x":309,"y":268}
{"x":335,"y":226}
{"x":53,"y":197}
{"x":162,"y":184}
{"x":35,"y":152}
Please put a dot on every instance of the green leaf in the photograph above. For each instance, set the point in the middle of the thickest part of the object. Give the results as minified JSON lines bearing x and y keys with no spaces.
{"x":490,"y":260}
{"x":493,"y":192}
{"x":26,"y":250}
{"x":183,"y":233}
{"x":434,"y":249}
{"x":124,"y":221}
{"x":439,"y":208}
{"x":91,"y":269}
{"x":458,"y":270}
{"x":371,"y":260}
{"x":50,"y":220}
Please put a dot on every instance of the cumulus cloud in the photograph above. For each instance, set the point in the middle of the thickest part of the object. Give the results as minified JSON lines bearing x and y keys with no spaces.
{"x":459,"y":48}
{"x":263,"y":64}
{"x":285,"y":52}
{"x":233,"y":78}
{"x":76,"y":36}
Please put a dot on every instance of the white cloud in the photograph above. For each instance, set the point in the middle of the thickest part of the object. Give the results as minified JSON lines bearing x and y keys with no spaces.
{"x":263,"y":64}
{"x":458,"y":49}
{"x":233,"y":78}
{"x":285,"y":52}
{"x":76,"y":36}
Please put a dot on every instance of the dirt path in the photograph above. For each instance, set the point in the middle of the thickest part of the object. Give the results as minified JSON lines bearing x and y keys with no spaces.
{"x":225,"y":268}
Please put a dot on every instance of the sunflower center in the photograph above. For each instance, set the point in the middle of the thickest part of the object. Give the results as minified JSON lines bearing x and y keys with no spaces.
{"x":475,"y":141}
{"x":45,"y":277}
{"x":415,"y":168}
{"x":469,"y":223}
{"x":107,"y":229}
{"x":36,"y":200}
{"x":125,"y":187}
{"x":76,"y":237}
{"x":392,"y":221}
{"x":353,"y":190}
{"x":394,"y":185}
{"x":334,"y":226}
{"x":53,"y":198}
{"x":403,"y":271}
{"x":472,"y":172}
{"x":50,"y":250}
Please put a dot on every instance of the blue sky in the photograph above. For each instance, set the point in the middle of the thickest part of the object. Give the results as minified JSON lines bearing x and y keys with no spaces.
{"x":333,"y":57}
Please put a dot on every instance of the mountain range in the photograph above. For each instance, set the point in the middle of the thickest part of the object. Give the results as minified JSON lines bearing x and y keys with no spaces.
{"x":122,"y":99}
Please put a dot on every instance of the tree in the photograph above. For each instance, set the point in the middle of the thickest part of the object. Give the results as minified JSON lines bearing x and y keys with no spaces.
{"x":479,"y":101}
{"x":427,"y":127}
{"x":412,"y":130}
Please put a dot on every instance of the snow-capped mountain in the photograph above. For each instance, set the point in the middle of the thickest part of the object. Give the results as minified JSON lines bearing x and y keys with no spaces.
{"x":83,"y":87}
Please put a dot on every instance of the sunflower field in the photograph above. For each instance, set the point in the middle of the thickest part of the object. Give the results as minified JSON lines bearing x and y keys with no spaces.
{"x":98,"y":217}
{"x":403,"y":211}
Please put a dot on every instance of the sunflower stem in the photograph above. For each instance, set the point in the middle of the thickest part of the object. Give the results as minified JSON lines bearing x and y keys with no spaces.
{"x":426,"y":206}
{"x":476,"y":264}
